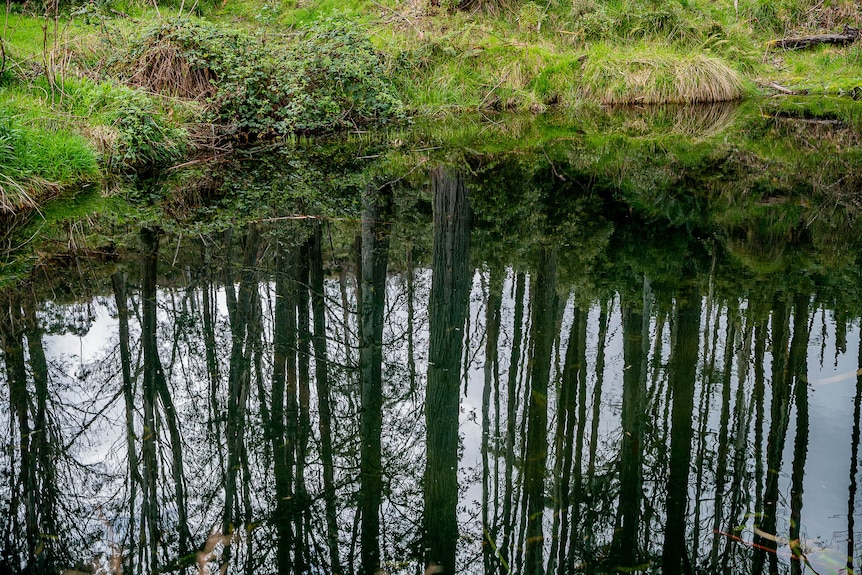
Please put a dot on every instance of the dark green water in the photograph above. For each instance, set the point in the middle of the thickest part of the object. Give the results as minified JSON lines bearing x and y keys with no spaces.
{"x":595,"y":355}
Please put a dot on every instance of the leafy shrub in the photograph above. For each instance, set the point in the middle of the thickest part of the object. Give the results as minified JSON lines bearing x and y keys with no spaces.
{"x":593,"y":25}
{"x":327,"y":78}
{"x":343,"y":79}
{"x":145,"y":138}
{"x":582,"y":7}
{"x":183,"y":59}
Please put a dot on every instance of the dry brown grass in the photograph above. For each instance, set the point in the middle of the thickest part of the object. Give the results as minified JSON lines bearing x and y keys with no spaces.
{"x":162,"y":68}
{"x":17,"y":197}
{"x":14,"y":197}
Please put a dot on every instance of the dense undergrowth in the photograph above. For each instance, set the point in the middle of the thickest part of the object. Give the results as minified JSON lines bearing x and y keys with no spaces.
{"x":323,"y":78}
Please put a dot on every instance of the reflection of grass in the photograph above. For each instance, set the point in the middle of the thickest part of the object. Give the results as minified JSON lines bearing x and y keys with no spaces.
{"x":820,"y":560}
{"x":59,"y":227}
{"x":764,"y":177}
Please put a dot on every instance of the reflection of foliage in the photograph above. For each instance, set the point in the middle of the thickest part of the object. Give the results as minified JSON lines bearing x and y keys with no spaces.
{"x":771,"y":194}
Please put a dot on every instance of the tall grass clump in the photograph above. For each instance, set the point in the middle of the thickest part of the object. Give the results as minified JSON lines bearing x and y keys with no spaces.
{"x":611,"y":77}
{"x":36,"y":161}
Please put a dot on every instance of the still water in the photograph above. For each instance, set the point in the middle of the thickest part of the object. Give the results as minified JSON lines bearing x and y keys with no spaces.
{"x":492,"y":365}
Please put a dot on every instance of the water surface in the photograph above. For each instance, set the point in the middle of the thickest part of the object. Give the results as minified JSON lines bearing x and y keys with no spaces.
{"x":583,"y":358}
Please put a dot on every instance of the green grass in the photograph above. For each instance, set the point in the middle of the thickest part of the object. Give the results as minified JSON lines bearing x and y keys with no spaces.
{"x":37,"y":154}
{"x":513,"y":56}
{"x":827,"y":70}
{"x":613,"y":51}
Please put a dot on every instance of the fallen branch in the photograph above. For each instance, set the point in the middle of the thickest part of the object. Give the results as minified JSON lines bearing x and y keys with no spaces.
{"x":847,"y":36}
{"x":781,"y":89}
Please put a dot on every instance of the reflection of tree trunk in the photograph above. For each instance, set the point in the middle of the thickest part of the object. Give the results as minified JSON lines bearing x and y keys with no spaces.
{"x":587,"y":535}
{"x":374,"y":259}
{"x":854,"y":462}
{"x":149,"y":504}
{"x":411,"y":315}
{"x":710,"y":350}
{"x":741,"y":478}
{"x":280,"y":447}
{"x":758,"y":397}
{"x":447,"y":310}
{"x":577,"y":472}
{"x":346,"y":308}
{"x":565,"y":440}
{"x":229,"y":286}
{"x":304,"y":415}
{"x":177,"y":457}
{"x":119,"y":282}
{"x":256,"y":335}
{"x":492,"y":336}
{"x":511,"y":417}
{"x":683,"y":369}
{"x":704,"y":405}
{"x":798,"y":366}
{"x":155,"y":382}
{"x":12,"y":339}
{"x":239,"y":375}
{"x":45,"y":475}
{"x":779,"y":415}
{"x":624,"y":548}
{"x":318,"y":307}
{"x":723,"y":436}
{"x":291,"y":431}
{"x":535,"y":458}
{"x":840,"y":332}
{"x":211,"y":355}
{"x":254,"y":353}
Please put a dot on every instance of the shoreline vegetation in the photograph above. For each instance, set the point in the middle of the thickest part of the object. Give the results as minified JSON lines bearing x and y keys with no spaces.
{"x":93,"y":92}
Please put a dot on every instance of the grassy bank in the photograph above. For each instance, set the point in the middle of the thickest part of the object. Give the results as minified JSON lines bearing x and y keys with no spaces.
{"x":125,"y":87}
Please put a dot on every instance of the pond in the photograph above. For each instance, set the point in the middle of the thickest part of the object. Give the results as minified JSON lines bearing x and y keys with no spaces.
{"x":598,"y":355}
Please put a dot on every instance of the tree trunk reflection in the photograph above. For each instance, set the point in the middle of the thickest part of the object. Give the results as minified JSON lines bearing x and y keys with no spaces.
{"x":447,"y":311}
{"x":683,"y":369}
{"x":536,"y":455}
{"x":624,"y":548}
{"x":374,"y":262}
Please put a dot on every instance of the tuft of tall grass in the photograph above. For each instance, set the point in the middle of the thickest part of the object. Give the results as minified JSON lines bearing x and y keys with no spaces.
{"x":613,"y":77}
{"x":36,"y":159}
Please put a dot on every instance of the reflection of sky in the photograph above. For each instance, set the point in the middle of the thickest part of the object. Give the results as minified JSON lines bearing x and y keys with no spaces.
{"x":74,"y":357}
{"x":831,"y":396}
{"x":827,"y":469}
